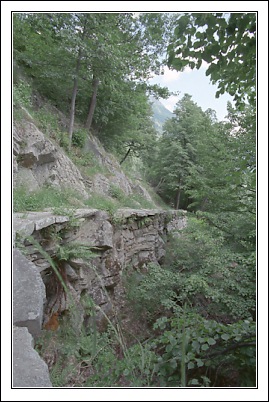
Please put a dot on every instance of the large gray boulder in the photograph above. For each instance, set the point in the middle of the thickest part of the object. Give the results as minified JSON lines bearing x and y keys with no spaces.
{"x":29,"y":370}
{"x":28,"y":294}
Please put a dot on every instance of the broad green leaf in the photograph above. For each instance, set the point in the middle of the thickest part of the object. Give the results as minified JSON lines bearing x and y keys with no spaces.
{"x":225,"y":337}
{"x":191,"y":365}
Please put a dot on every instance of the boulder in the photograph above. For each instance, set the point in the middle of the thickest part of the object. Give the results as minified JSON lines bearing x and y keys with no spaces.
{"x":28,"y":294}
{"x":29,"y":370}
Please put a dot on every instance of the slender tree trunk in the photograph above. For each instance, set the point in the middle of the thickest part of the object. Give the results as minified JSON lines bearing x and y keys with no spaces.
{"x":125,"y":156}
{"x":177,"y":200}
{"x":159,"y":185}
{"x":75,"y":90}
{"x":95,"y":84}
{"x":73,"y":101}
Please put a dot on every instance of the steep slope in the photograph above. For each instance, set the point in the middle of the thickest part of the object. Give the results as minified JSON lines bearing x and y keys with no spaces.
{"x":160,"y":114}
{"x":39,"y":163}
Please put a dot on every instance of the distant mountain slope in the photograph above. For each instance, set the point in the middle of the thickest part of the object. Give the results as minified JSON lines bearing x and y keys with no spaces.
{"x":160,"y":114}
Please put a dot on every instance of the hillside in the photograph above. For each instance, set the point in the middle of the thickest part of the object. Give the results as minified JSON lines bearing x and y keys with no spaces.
{"x":160,"y":114}
{"x":46,"y":174}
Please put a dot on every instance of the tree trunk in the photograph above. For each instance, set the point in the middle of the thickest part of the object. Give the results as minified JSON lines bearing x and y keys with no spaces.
{"x":95,"y":84}
{"x":177,"y":200}
{"x":127,"y":153}
{"x":75,"y":91}
{"x":73,"y":101}
{"x":156,"y":188}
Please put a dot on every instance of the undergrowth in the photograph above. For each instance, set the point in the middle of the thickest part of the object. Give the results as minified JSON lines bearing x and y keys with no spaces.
{"x":23,"y":200}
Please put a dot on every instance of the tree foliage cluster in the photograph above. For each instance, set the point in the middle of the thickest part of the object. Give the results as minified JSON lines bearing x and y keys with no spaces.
{"x":209,"y":168}
{"x":202,"y":301}
{"x":226,"y":42}
{"x":94,"y":66}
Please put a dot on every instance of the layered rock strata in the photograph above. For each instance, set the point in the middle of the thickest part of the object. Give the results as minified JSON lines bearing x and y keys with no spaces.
{"x":94,"y":254}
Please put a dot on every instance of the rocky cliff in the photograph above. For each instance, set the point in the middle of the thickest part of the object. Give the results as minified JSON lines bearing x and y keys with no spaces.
{"x":75,"y":263}
{"x":39,"y":161}
{"x":92,"y":251}
{"x":64,"y":262}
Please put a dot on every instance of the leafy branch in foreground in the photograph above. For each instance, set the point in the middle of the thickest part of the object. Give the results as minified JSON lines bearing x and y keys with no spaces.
{"x":226,"y":43}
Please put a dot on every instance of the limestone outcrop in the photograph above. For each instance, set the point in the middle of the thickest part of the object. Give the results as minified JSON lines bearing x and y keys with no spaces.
{"x":101,"y":183}
{"x":93,"y":250}
{"x":38,"y":162}
{"x":94,"y":253}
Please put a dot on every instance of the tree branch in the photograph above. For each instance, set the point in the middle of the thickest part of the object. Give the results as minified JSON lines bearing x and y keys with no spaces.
{"x":230,"y":348}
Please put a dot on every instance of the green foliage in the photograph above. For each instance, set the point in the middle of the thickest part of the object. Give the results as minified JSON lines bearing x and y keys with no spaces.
{"x":48,"y":122}
{"x":116,"y":200}
{"x":130,"y":128}
{"x":22,"y":94}
{"x":23,"y":200}
{"x":175,"y":153}
{"x":74,"y":250}
{"x":79,"y":138}
{"x":226,"y":42}
{"x":53,"y":264}
{"x":87,"y":162}
{"x":205,"y":290}
{"x":94,"y":359}
{"x":137,"y":201}
{"x":135,"y":369}
{"x":150,"y":292}
{"x":208,"y":349}
{"x":118,"y":49}
{"x":214,"y":332}
{"x":102,"y":202}
{"x":61,"y":373}
{"x":201,"y":270}
{"x":116,"y":192}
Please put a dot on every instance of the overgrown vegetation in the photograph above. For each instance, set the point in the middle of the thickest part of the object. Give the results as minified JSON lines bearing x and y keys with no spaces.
{"x":46,"y":197}
{"x":200,"y":303}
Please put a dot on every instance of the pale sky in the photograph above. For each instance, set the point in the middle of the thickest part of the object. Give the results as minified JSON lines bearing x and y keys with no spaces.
{"x":195,"y":83}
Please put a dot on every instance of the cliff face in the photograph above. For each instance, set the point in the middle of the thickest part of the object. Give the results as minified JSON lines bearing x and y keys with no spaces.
{"x":54,"y":273}
{"x":39,"y":161}
{"x":121,"y":245}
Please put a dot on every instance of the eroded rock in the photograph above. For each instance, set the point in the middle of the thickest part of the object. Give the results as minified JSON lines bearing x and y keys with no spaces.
{"x":28,"y":294}
{"x":29,"y":370}
{"x":45,"y":162}
{"x":132,"y":238}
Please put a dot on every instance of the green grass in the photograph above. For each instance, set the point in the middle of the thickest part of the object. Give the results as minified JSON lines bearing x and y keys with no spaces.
{"x":135,"y":201}
{"x":87,"y":163}
{"x":22,"y":92}
{"x":98,"y":201}
{"x":47,"y":197}
{"x":118,"y":199}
